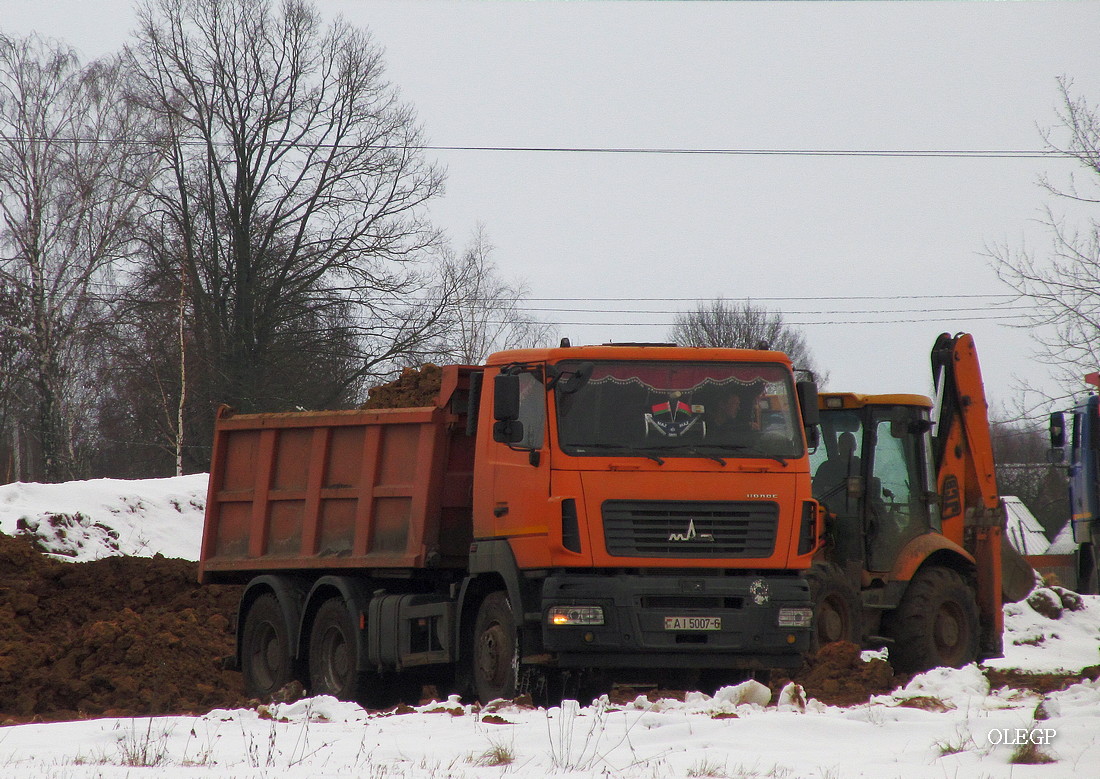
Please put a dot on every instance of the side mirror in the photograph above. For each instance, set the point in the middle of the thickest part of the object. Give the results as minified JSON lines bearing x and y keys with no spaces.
{"x":507,"y":429}
{"x":1057,"y":430}
{"x":506,"y":397}
{"x":807,"y":402}
{"x":807,"y":405}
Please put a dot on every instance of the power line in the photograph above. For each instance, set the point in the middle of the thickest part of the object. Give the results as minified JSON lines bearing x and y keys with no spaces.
{"x":920,"y":153}
{"x":756,"y":298}
{"x":800,"y":324}
{"x":836,"y":315}
{"x":618,"y":150}
{"x":785,"y":312}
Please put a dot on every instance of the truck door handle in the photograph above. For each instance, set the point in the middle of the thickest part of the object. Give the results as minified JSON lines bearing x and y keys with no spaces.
{"x":500,"y":510}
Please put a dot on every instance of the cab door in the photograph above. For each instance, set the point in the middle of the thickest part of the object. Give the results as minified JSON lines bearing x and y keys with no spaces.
{"x":517,"y":505}
{"x":897,"y":491}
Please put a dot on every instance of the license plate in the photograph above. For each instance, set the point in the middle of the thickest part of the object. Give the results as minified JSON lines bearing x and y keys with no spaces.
{"x":693,"y":623}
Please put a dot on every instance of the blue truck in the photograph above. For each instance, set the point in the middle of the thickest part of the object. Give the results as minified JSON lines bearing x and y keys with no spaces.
{"x":1082,"y":433}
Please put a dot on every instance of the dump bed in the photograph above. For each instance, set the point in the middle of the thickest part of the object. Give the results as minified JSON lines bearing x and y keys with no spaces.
{"x":377,"y":489}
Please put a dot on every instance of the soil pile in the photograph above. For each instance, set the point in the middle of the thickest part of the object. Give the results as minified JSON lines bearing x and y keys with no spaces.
{"x":414,"y":388}
{"x":121,"y":636}
{"x":837,"y":676}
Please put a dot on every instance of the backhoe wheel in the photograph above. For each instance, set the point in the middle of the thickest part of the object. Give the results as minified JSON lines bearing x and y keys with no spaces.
{"x":936,"y":623}
{"x":334,"y":653}
{"x":838,"y":610}
{"x":495,"y":659}
{"x":265,"y":649}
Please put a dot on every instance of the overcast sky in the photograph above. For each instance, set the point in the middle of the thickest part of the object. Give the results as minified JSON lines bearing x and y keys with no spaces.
{"x":622,"y":239}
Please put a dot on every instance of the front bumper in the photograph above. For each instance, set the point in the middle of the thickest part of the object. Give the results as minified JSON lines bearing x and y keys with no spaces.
{"x":635,"y":608}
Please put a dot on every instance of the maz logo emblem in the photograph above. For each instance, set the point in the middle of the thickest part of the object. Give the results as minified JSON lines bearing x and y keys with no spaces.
{"x":691,"y":535}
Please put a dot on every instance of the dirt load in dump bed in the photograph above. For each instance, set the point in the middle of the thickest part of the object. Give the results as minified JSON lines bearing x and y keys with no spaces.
{"x":414,"y":388}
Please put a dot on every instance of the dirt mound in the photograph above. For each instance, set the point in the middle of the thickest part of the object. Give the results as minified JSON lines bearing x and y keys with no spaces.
{"x":414,"y":388}
{"x":837,"y":676}
{"x":119,"y":636}
{"x":1038,"y":682}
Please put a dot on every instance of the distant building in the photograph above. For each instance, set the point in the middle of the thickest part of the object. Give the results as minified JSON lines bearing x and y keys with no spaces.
{"x":1063,"y":543}
{"x":1023,"y":530}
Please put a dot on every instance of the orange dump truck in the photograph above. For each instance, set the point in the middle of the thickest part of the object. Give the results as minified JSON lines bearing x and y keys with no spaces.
{"x":554,"y":513}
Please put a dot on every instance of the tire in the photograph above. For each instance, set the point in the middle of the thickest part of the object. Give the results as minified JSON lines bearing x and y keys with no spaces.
{"x":936,"y":623}
{"x":494,"y":656}
{"x":265,"y":649}
{"x":334,"y":653}
{"x":838,"y":610}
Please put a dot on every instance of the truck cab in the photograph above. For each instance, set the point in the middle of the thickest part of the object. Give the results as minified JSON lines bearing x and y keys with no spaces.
{"x":873,"y":472}
{"x":656,"y":503}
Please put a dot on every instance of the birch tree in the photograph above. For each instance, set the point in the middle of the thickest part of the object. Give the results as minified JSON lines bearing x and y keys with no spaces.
{"x":70,"y":178}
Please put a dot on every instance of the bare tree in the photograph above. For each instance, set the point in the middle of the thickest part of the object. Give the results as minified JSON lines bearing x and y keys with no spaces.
{"x":487,"y":314}
{"x":1064,"y":280}
{"x":69,"y":177}
{"x":722,"y":323}
{"x":290,"y":203}
{"x":13,"y":373}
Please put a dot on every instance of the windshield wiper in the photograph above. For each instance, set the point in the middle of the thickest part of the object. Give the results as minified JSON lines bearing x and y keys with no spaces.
{"x":749,"y":450}
{"x":742,"y":449}
{"x":695,"y":450}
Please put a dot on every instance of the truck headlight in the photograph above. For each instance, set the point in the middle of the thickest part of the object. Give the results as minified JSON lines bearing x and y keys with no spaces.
{"x":796,"y":617}
{"x":575,"y":615}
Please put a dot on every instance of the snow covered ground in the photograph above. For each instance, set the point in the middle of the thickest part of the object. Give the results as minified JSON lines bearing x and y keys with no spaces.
{"x":945,"y":723}
{"x":87,"y":520}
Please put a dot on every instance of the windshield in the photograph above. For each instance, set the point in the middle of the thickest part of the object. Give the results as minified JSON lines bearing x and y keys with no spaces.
{"x":679,"y":409}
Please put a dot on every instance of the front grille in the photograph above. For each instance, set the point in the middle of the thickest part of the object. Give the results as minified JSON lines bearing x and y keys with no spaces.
{"x":690,"y":528}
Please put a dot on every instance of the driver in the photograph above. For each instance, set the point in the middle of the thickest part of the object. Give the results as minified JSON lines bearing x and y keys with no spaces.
{"x":736,"y":415}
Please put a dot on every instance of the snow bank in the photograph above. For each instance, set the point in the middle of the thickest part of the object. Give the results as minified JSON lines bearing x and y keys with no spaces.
{"x":1065,"y":636}
{"x":88,"y":520}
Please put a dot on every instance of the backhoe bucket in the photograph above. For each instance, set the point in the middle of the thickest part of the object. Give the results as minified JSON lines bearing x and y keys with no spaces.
{"x":1017,"y":575}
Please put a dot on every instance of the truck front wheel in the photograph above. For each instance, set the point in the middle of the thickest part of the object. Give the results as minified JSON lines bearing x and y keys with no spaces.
{"x":265,"y":648}
{"x":495,"y":659}
{"x":837,"y":607}
{"x":334,"y":653}
{"x":936,"y":623}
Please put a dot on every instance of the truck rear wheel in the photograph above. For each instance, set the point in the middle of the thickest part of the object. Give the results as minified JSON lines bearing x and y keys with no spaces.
{"x":265,"y":648}
{"x":334,"y":653}
{"x":495,"y":659}
{"x":936,"y":623}
{"x":837,"y":607}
